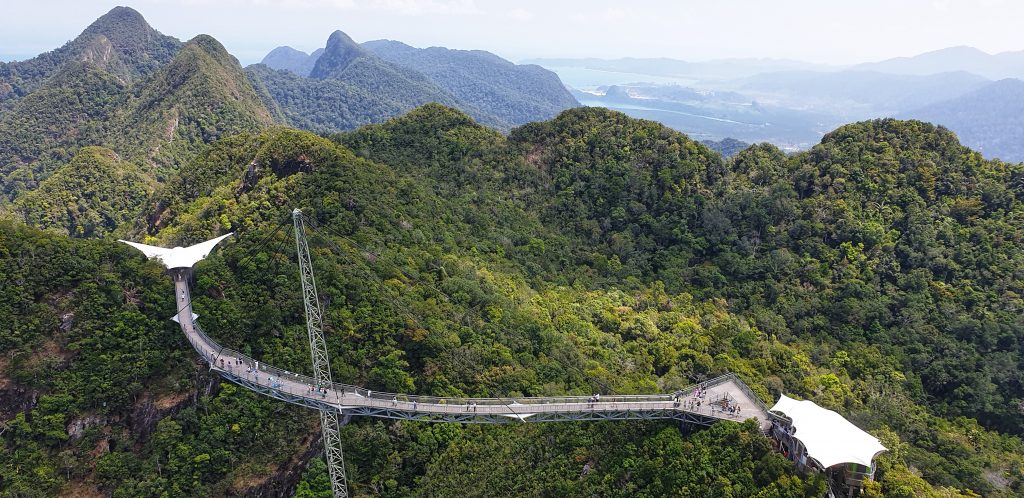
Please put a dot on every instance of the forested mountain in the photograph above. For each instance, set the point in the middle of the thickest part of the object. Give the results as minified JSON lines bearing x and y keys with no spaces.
{"x":989,"y":119}
{"x":727,"y":147}
{"x":122,"y":33}
{"x":877,"y":274}
{"x":321,"y":106}
{"x":91,"y":196}
{"x":201,"y":95}
{"x":41,"y":130}
{"x":289,"y":59}
{"x":350,"y":85}
{"x":345,"y":60}
{"x":152,"y":115}
{"x":516,"y":94}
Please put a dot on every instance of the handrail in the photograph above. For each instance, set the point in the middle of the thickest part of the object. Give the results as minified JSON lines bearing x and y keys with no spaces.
{"x":750,"y":393}
{"x":249,"y":370}
{"x":236,"y":361}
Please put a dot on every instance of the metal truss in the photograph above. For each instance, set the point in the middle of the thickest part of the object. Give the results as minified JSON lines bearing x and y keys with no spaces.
{"x":329,"y":424}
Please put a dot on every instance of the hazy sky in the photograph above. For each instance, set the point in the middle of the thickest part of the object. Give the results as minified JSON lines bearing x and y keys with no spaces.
{"x":836,"y":31}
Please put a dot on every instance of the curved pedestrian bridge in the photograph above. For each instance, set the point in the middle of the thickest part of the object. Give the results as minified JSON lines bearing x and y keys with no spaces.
{"x":722,"y":398}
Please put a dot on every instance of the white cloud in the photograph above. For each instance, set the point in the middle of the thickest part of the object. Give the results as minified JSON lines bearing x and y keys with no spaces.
{"x":520,"y":14}
{"x":421,"y":7}
{"x":822,"y":31}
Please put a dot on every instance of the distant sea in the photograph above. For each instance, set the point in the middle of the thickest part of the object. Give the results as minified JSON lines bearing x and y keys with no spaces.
{"x":587,"y":79}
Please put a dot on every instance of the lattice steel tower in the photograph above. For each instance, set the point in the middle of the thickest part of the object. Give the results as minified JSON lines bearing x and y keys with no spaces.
{"x":329,"y":423}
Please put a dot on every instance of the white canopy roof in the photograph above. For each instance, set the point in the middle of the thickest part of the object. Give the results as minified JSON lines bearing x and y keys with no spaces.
{"x":829,"y":438}
{"x":178,"y":257}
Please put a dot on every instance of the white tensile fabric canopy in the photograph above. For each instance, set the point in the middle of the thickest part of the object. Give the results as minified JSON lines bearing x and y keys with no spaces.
{"x":178,"y":257}
{"x":829,"y":438}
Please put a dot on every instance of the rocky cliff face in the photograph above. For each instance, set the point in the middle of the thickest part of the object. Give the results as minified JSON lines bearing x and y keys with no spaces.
{"x":282,"y":481}
{"x":142,"y":422}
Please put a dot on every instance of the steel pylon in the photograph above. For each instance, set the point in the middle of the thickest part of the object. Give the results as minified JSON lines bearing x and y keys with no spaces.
{"x":330,"y":426}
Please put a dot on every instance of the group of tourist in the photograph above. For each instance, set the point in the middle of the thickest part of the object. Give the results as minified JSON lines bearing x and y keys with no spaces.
{"x":727,"y":406}
{"x":696,"y":398}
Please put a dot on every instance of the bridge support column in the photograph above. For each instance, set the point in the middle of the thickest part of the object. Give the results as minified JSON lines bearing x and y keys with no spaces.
{"x":330,"y":425}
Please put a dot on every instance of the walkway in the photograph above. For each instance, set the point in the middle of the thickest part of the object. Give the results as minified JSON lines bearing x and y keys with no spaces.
{"x":353,"y":400}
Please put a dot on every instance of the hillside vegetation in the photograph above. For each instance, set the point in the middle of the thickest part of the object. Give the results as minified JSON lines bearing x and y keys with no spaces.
{"x":880,"y":274}
{"x":875,"y":274}
{"x":153,"y":113}
{"x":92,"y":196}
{"x":156,"y":102}
{"x":346,"y":85}
{"x":127,"y":37}
{"x":515,"y":94}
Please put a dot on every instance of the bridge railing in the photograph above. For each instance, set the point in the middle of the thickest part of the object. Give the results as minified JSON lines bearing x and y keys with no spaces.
{"x":521,"y":401}
{"x":750,"y":393}
{"x":244,"y":366}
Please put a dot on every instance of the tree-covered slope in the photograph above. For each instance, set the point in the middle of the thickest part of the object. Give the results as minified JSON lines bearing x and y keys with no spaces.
{"x":591,"y":253}
{"x":43,"y":129}
{"x":200,"y":96}
{"x":888,"y":241}
{"x":99,"y":392}
{"x":321,"y":106}
{"x":516,"y":94}
{"x":887,"y":233}
{"x":141,"y":48}
{"x":91,"y":196}
{"x":157,"y":121}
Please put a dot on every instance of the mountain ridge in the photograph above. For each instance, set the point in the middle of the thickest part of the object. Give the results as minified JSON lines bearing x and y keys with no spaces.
{"x":494,"y":91}
{"x":199,"y":96}
{"x":289,"y":59}
{"x":141,"y":48}
{"x":961,"y":58}
{"x":516,"y":94}
{"x":989,"y":119}
{"x":155,"y":121}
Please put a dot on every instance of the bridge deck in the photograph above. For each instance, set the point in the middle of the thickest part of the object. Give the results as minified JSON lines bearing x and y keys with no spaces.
{"x":353,"y":400}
